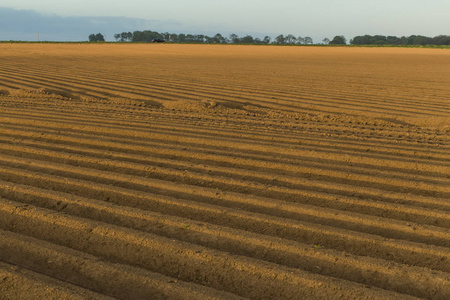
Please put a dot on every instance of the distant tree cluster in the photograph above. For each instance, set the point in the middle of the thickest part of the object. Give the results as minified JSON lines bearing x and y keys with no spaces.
{"x":148,"y":36}
{"x":144,"y":36}
{"x":292,"y":40}
{"x":393,"y":40}
{"x":124,"y":37}
{"x":96,"y":37}
{"x":338,"y":40}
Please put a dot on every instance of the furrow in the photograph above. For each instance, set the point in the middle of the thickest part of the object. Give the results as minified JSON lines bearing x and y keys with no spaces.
{"x":19,"y":283}
{"x":165,"y":96}
{"x":315,"y":89}
{"x":187,"y":90}
{"x":301,"y":142}
{"x":120,"y":281}
{"x":230,"y":273}
{"x":230,"y":216}
{"x":232,"y":172}
{"x":270,"y":147}
{"x":254,"y":159}
{"x":272,"y":206}
{"x":415,"y":282}
{"x":170,"y":169}
{"x":99,"y":91}
{"x":293,"y":156}
{"x":276,"y":137}
{"x":70,"y":167}
{"x":17,"y":84}
{"x":210,"y":128}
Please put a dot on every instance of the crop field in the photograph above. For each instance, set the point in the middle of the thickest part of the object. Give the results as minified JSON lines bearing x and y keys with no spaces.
{"x":164,"y":171}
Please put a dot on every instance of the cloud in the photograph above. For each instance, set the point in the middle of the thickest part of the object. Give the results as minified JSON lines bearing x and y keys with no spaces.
{"x":27,"y":25}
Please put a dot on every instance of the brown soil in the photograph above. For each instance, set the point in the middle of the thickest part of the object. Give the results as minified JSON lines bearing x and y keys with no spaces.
{"x":220,"y":172}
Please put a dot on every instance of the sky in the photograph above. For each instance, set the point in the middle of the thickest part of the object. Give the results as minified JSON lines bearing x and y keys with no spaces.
{"x":314,"y":18}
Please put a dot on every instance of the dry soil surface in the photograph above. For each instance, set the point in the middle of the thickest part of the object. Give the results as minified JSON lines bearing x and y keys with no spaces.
{"x":221,"y":172}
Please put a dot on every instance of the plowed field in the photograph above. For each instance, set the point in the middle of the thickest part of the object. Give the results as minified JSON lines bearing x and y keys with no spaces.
{"x":220,"y":172}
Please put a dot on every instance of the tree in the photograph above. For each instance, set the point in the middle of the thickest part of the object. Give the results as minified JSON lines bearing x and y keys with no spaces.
{"x":100,"y":37}
{"x":181,"y":38}
{"x":219,"y":39}
{"x":308,"y":40}
{"x":145,"y":36}
{"x":166,"y":36}
{"x":326,"y":41}
{"x":418,"y":40}
{"x":441,"y":40}
{"x":234,"y":38}
{"x":173,"y":37}
{"x":266,"y":39}
{"x":393,"y":40}
{"x":123,"y":36}
{"x":190,"y":38}
{"x":300,"y":40}
{"x":200,"y":38}
{"x":96,"y":37}
{"x":338,"y":40}
{"x":280,"y":39}
{"x":290,"y":39}
{"x":248,"y":39}
{"x":375,"y":40}
{"x":361,"y":40}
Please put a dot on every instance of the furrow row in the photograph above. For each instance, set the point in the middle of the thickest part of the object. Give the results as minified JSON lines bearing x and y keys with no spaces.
{"x":304,"y":153}
{"x":313,"y":93}
{"x":94,"y":90}
{"x":262,"y":127}
{"x":168,"y":94}
{"x":302,"y":139}
{"x":269,"y":218}
{"x":282,"y":206}
{"x":231,"y":172}
{"x":317,"y":260}
{"x":325,"y":149}
{"x":282,"y":161}
{"x":220,"y":270}
{"x":117,"y":159}
{"x":18,"y":282}
{"x":285,"y":188}
{"x":103,"y":91}
{"x":91,"y":272}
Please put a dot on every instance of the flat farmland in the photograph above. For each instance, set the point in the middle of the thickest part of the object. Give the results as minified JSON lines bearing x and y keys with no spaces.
{"x":165,"y":171}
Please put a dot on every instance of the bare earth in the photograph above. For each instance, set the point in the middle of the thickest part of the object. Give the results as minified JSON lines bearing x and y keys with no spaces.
{"x":222,"y":172}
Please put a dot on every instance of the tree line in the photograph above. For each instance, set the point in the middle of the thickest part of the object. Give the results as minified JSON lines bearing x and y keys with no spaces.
{"x":148,"y":36}
{"x":96,"y":37}
{"x":393,"y":40}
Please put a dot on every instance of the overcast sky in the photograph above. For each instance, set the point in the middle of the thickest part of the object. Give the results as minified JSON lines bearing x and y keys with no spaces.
{"x":316,"y":18}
